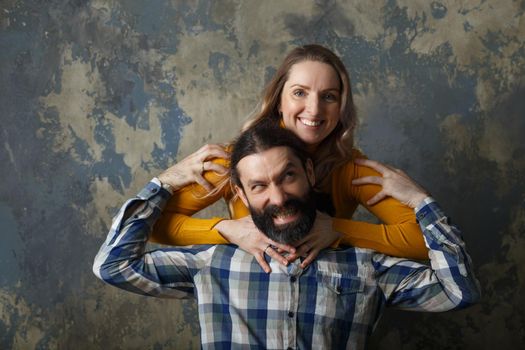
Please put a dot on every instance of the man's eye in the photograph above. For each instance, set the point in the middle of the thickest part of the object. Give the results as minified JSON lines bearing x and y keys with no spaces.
{"x":258,"y":187}
{"x":289,"y":175}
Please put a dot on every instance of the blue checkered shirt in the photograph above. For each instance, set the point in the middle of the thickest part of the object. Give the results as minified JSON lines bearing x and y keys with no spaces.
{"x":332,"y":304}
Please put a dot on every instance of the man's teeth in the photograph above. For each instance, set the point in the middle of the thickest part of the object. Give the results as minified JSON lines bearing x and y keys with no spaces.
{"x":284,"y":213}
{"x":310,"y":122}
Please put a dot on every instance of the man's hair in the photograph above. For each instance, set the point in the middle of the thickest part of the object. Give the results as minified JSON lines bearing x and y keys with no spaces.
{"x":261,"y":137}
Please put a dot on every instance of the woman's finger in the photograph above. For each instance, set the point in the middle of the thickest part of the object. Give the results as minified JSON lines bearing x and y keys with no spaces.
{"x":274,"y":255}
{"x":264,"y":265}
{"x":210,"y":151}
{"x":311,"y":257}
{"x":379,"y":196}
{"x":202,"y":181}
{"x":377,"y":180}
{"x":282,"y":247}
{"x":211,"y":166}
{"x":301,"y":251}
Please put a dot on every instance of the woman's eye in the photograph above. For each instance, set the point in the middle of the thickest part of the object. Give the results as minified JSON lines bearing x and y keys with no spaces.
{"x":330,"y":97}
{"x":299,"y":93}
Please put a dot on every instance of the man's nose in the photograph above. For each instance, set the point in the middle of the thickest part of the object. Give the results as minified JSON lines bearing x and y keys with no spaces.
{"x":277,"y":196}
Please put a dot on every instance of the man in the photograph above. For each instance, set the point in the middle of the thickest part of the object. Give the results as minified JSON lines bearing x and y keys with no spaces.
{"x":332,"y":304}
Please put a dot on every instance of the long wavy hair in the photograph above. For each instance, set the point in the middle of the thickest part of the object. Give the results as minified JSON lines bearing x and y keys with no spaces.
{"x":336,"y":148}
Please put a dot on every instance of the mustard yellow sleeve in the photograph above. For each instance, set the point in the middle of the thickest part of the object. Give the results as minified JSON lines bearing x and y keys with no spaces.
{"x":399,"y":235}
{"x":177,"y":227}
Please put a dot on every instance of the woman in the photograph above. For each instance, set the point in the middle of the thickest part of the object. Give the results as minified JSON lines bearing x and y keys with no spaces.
{"x":310,"y":94}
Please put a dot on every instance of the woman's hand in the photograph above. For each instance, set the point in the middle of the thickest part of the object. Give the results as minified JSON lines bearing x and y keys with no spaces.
{"x":394,"y":182}
{"x":191,"y":169}
{"x":320,"y":237}
{"x":247,"y":236}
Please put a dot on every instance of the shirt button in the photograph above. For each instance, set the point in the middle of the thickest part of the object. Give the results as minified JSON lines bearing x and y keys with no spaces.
{"x":290,"y":314}
{"x":293,"y":279}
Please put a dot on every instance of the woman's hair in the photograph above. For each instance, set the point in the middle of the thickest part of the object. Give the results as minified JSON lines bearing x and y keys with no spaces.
{"x":336,"y":148}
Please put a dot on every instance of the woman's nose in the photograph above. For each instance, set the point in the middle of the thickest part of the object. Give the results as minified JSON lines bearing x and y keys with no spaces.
{"x":312,"y":105}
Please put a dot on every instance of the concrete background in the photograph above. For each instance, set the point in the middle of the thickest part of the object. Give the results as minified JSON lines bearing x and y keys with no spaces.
{"x":98,"y":96}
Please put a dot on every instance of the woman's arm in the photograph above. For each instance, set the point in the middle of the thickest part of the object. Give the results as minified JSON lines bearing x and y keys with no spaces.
{"x":400,"y":234}
{"x":191,"y":180}
{"x":177,"y":227}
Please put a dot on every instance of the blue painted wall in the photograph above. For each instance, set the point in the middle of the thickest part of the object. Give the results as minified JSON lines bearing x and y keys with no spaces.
{"x":98,"y":96}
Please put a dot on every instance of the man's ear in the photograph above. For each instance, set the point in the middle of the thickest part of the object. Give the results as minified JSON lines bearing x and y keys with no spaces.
{"x":240,"y":192}
{"x":310,"y":173}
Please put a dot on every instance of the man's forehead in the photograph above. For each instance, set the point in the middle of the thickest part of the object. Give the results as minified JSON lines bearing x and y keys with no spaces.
{"x":267,"y":163}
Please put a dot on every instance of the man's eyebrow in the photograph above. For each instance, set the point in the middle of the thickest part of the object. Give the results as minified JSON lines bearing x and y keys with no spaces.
{"x":290,"y":165}
{"x":279,"y":176}
{"x":255,"y":182}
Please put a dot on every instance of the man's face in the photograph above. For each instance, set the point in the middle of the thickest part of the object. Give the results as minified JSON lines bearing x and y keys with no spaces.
{"x":277,"y":190}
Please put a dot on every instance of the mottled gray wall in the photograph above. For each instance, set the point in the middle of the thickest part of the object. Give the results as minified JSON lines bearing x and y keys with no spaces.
{"x":98,"y":96}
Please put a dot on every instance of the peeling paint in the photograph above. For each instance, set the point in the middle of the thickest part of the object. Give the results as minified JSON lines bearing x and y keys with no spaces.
{"x":100,"y":96}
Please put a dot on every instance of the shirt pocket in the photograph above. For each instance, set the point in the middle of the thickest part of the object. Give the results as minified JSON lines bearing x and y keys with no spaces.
{"x":340,"y":284}
{"x":338,"y":298}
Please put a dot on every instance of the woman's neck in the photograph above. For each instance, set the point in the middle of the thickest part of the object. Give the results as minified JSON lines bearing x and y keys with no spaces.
{"x":311,"y":148}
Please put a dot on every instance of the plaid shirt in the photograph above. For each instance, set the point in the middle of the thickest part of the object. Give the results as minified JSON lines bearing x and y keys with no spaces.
{"x":332,"y":304}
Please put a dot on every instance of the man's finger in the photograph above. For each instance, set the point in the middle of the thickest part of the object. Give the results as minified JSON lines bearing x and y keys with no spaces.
{"x":365,"y":180}
{"x":372,"y":164}
{"x":260,"y":259}
{"x":377,"y":198}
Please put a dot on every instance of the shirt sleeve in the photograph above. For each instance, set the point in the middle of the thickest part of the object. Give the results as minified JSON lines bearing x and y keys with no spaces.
{"x":449,"y":283}
{"x":398,"y":235}
{"x":123,"y":261}
{"x":177,"y":227}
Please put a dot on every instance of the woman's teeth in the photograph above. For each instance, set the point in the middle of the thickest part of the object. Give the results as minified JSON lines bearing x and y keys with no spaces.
{"x":310,"y":122}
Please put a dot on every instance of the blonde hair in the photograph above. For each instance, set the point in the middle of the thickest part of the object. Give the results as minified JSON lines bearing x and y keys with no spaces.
{"x":336,"y":148}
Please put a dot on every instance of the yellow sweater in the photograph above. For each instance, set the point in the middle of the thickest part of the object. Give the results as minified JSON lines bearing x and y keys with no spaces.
{"x":398,"y":236}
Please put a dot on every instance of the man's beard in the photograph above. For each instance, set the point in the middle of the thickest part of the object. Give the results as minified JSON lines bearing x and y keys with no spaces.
{"x":292,"y":232}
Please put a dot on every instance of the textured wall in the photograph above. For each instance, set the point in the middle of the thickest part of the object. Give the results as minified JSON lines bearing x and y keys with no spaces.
{"x":97,"y":96}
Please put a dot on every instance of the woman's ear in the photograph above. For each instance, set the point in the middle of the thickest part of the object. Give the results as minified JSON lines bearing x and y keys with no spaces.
{"x":310,"y":172}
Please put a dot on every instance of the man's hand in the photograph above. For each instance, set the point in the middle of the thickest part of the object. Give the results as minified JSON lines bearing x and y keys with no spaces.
{"x":191,"y":169}
{"x":395,"y":184}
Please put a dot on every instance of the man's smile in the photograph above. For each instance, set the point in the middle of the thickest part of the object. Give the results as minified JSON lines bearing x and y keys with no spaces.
{"x":285,"y":216}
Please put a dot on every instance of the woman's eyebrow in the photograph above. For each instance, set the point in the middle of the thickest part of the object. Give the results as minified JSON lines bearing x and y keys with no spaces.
{"x":307,"y":87}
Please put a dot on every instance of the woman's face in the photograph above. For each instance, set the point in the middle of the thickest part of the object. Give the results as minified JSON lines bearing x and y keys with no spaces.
{"x":311,"y":101}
